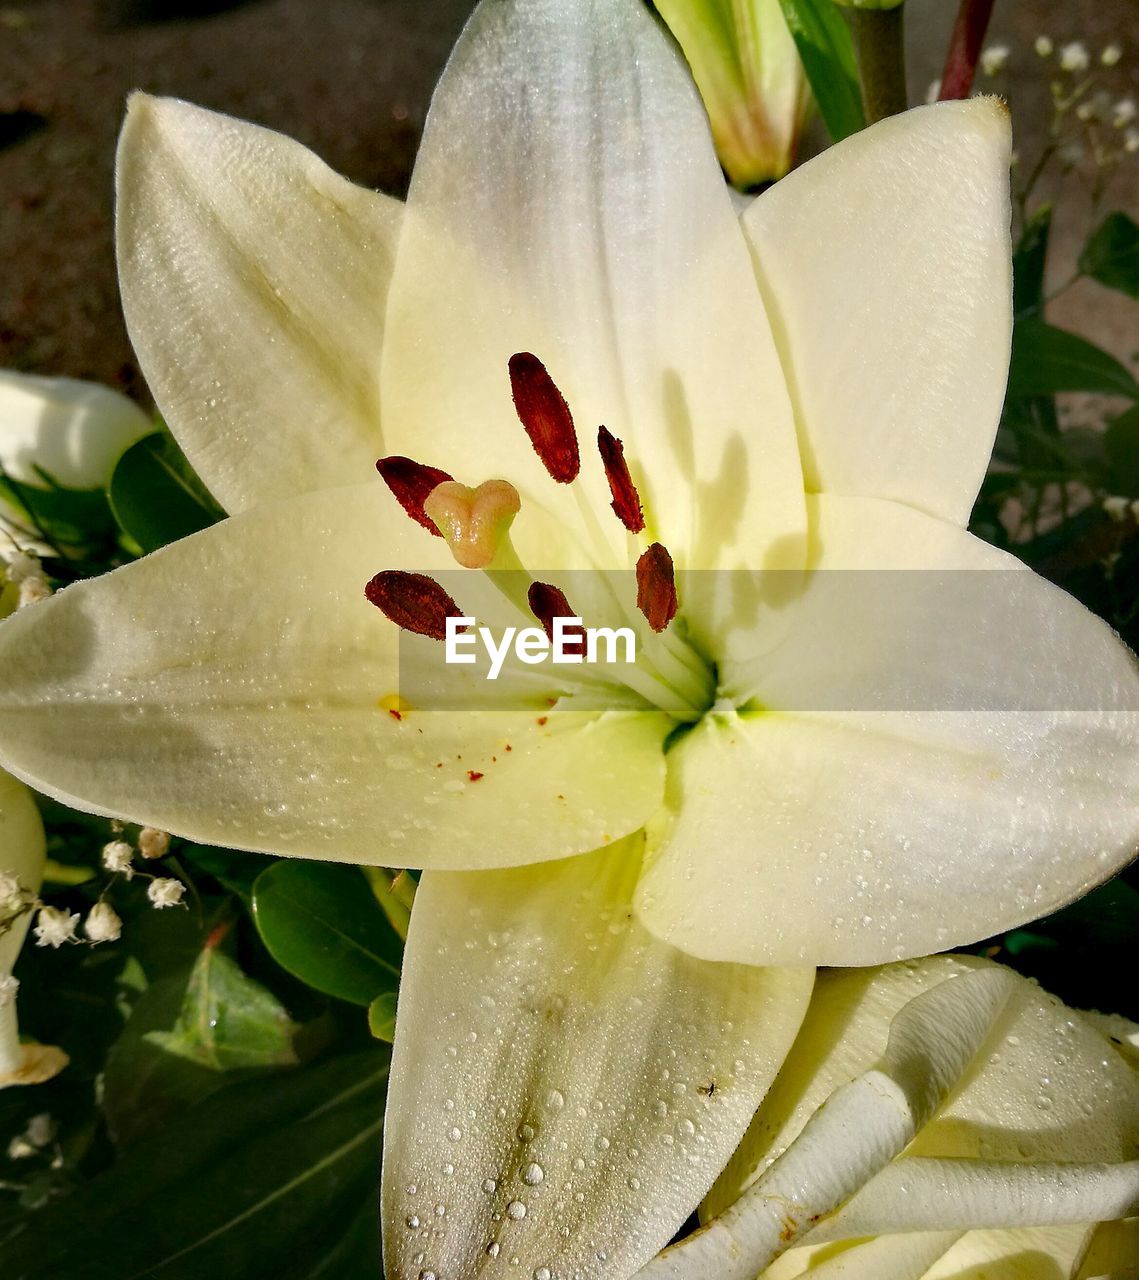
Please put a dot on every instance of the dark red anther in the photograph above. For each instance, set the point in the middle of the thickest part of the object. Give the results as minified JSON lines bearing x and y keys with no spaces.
{"x":412,"y":482}
{"x":544,"y":413}
{"x":413,"y":601}
{"x":656,"y":587}
{"x":547,"y":603}
{"x":626,"y":499}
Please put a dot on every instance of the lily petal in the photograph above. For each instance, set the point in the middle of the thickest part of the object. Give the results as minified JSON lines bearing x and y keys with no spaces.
{"x":237,"y":688}
{"x":261,"y":343}
{"x":895,"y":328}
{"x":1033,"y":1253}
{"x":587,"y":1082}
{"x":1000,"y":1081}
{"x":922,"y":775}
{"x":22,"y":853}
{"x":567,"y":202}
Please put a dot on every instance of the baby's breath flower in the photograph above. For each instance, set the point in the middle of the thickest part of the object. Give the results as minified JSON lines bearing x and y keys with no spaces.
{"x":165,"y":892}
{"x":994,"y":58}
{"x":21,"y":565}
{"x":20,"y":1148}
{"x":1111,"y":55}
{"x":153,"y":843}
{"x":1116,"y":506}
{"x":1074,"y":57}
{"x":33,"y":589}
{"x":934,"y":91}
{"x":9,"y":891}
{"x":1131,"y":140}
{"x":54,"y":927}
{"x":1043,"y":46}
{"x":1124,"y":112}
{"x":103,"y":923}
{"x":1071,"y":154}
{"x":8,"y":988}
{"x":117,"y":858}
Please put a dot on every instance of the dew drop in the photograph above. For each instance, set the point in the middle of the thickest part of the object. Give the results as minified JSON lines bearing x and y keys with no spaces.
{"x":526,"y":1133}
{"x":516,"y":1210}
{"x":493,"y":1249}
{"x":454,"y":1133}
{"x":412,"y":1221}
{"x":542,"y":1273}
{"x":533,"y":1175}
{"x":489,"y":1186}
{"x":555,"y":1100}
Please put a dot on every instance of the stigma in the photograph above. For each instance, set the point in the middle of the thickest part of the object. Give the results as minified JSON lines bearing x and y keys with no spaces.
{"x":474,"y":522}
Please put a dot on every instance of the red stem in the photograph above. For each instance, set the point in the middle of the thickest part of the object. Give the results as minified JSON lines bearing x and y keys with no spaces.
{"x":965,"y":48}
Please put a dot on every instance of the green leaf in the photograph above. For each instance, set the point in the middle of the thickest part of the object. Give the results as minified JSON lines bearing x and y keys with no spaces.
{"x":1028,"y":264}
{"x":232,"y":869}
{"x":227,"y":1020}
{"x":395,"y":892}
{"x":1046,"y":360}
{"x":827,"y":52}
{"x":381,"y":1017}
{"x":262,"y":1178}
{"x":321,"y":922}
{"x":1111,"y":256}
{"x":155,"y":495}
{"x":1121,"y":440}
{"x":65,"y":517}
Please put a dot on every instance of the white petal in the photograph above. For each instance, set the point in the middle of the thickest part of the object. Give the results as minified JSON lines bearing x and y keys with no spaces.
{"x":73,"y":430}
{"x":229,"y":688}
{"x":254,"y":282}
{"x":567,"y":202}
{"x":1111,"y":1253}
{"x":1045,"y":1090}
{"x":22,"y":852}
{"x":915,"y":1194}
{"x":941,"y":755}
{"x":899,"y":1257}
{"x":1034,"y":1253}
{"x":552,"y":1056}
{"x":886,"y":270}
{"x":21,"y":855}
{"x":864,"y":1124}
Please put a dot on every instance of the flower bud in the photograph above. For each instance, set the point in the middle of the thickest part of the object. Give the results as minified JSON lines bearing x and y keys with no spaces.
{"x":103,"y":923}
{"x":748,"y":72}
{"x":75,"y":431}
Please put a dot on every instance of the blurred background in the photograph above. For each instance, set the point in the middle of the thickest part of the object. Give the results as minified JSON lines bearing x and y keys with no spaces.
{"x":352,"y":79}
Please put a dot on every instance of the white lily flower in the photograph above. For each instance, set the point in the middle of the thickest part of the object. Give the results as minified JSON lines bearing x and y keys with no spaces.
{"x":934,"y":1119}
{"x":22,"y":855}
{"x":73,"y":430}
{"x":813,"y":388}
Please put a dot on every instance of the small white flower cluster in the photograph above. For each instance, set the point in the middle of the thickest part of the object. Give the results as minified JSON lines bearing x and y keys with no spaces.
{"x":54,"y":927}
{"x":994,"y":58}
{"x":25,"y":571}
{"x":39,"y":1134}
{"x":165,"y":892}
{"x":9,"y":986}
{"x":1117,"y":507}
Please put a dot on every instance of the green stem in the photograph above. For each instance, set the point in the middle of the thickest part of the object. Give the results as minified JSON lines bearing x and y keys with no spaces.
{"x":880,"y":50}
